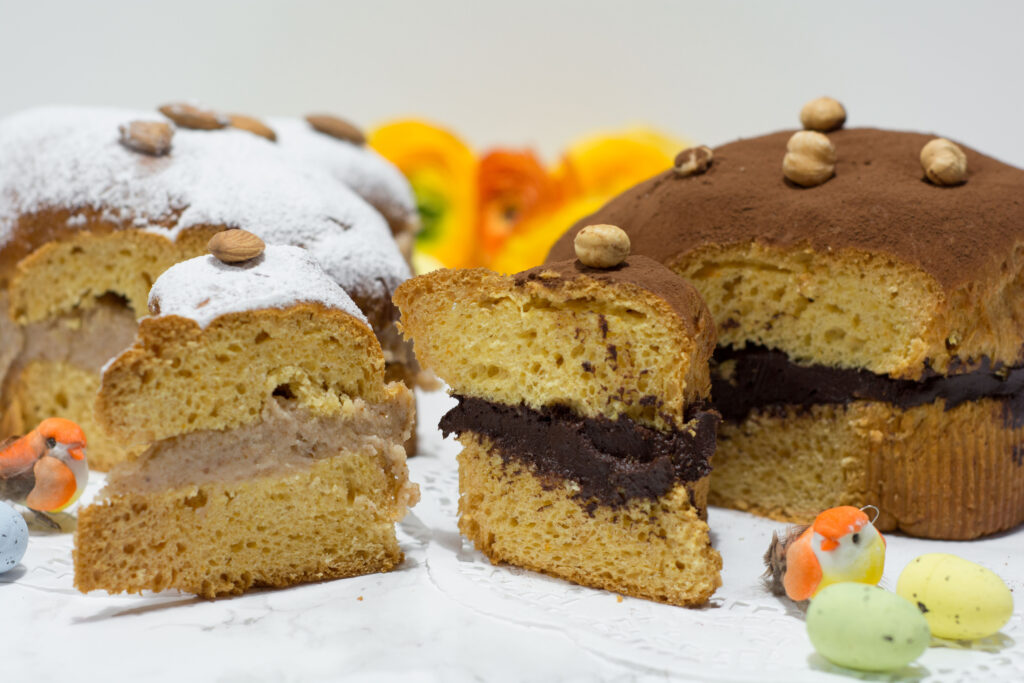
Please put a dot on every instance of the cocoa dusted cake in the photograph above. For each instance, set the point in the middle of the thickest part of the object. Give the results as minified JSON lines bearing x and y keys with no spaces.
{"x":868,"y":298}
{"x":586,"y":441}
{"x":272,"y":445}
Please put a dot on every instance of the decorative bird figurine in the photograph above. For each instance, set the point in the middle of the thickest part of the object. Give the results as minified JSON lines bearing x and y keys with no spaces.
{"x":45,"y":470}
{"x":842,"y":545}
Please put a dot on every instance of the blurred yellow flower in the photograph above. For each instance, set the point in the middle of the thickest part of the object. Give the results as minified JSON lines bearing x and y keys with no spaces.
{"x":608,"y":163}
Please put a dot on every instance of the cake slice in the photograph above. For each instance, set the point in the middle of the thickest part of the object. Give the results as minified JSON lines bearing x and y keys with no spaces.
{"x":273,"y":447}
{"x":585,"y":442}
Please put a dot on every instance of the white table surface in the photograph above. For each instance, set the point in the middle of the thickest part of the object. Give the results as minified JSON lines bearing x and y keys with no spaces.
{"x":447,"y":614}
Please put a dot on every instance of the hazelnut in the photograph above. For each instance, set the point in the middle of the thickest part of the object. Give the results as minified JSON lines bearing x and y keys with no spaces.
{"x":944,"y":162}
{"x":601,"y":246}
{"x":823,"y":114}
{"x":336,"y":127}
{"x":192,"y":116}
{"x":810,"y":158}
{"x":693,"y":161}
{"x":252,"y":125}
{"x":147,"y":137}
{"x":235,"y":246}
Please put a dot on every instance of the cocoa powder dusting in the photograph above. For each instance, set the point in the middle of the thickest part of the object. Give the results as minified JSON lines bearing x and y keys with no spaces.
{"x":878,"y":202}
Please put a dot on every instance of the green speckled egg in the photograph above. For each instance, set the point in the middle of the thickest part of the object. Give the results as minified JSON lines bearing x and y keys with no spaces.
{"x":960,"y":599}
{"x":865,"y":627}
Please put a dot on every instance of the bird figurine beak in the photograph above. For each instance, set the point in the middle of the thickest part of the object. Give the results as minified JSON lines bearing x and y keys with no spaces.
{"x":78,"y":452}
{"x":829,"y":544}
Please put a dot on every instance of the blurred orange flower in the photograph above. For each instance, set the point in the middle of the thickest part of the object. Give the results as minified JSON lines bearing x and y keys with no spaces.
{"x":505,"y":210}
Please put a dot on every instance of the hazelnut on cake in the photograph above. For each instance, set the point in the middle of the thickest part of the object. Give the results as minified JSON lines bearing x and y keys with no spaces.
{"x":271,"y":443}
{"x":868,"y":298}
{"x":96,"y":203}
{"x":586,"y":443}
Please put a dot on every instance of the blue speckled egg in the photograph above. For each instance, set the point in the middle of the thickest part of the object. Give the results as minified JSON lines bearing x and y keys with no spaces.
{"x":13,"y":537}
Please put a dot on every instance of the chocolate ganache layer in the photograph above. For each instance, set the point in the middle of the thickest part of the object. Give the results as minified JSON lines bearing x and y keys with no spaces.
{"x":763,"y":378}
{"x":612,"y":461}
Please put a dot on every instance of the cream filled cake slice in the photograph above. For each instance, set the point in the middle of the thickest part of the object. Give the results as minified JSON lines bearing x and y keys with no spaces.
{"x":871,"y":328}
{"x":271,"y":443}
{"x":586,"y":446}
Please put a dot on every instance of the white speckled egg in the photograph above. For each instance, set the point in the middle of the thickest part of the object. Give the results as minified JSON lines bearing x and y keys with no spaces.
{"x":865,"y":627}
{"x":13,"y":537}
{"x":960,"y":599}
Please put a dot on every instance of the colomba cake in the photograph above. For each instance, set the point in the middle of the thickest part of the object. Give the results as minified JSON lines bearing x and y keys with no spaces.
{"x":868,"y":288}
{"x":96,"y":203}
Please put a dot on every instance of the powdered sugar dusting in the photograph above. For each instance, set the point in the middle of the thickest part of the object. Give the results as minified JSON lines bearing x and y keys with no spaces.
{"x":204,"y":288}
{"x":369,"y":174}
{"x":70,"y":157}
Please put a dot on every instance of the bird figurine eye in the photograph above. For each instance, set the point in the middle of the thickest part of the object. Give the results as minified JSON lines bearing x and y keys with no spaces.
{"x":51,"y":442}
{"x":856,"y":538}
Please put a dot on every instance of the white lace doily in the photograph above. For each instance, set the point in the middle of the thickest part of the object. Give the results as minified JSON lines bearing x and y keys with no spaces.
{"x":447,"y":614}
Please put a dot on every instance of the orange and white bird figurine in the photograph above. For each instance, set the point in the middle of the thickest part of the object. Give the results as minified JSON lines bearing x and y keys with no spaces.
{"x":842,"y":545}
{"x":45,"y":470}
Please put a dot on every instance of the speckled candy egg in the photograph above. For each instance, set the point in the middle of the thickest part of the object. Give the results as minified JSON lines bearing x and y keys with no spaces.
{"x":865,"y":627}
{"x":13,"y":537}
{"x":960,"y":599}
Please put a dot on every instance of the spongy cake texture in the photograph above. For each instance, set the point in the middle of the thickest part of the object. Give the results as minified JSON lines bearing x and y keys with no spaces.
{"x":622,"y":346}
{"x":274,"y":446}
{"x":567,"y":335}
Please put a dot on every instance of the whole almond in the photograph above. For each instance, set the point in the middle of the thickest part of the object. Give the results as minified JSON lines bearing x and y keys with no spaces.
{"x":693,"y":161}
{"x":192,"y":116}
{"x":601,"y":246}
{"x":337,"y":127}
{"x":810,"y":158}
{"x":252,"y":125}
{"x":235,"y":245}
{"x":944,"y":163}
{"x":148,"y":137}
{"x":823,"y":114}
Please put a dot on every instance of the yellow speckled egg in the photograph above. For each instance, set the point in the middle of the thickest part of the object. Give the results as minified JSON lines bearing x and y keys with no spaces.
{"x":960,"y":599}
{"x":865,"y":627}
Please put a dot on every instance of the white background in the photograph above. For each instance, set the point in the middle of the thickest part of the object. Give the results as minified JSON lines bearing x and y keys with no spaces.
{"x":535,"y":72}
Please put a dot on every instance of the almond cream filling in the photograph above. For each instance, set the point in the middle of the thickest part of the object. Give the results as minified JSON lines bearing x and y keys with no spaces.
{"x":286,"y":439}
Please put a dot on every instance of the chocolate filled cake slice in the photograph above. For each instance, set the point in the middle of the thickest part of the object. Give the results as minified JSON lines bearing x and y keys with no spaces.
{"x":271,"y":445}
{"x":871,"y":328}
{"x":586,"y":442}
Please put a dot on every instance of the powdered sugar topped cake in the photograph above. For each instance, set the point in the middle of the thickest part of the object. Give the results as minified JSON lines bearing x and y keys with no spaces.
{"x":368,"y":174}
{"x":271,"y":442}
{"x":70,"y":158}
{"x":205,"y":288}
{"x":91,"y":214}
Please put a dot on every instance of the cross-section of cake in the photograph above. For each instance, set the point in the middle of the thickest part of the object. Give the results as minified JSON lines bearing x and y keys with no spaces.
{"x":586,"y":443}
{"x":274,"y":446}
{"x":871,"y":327}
